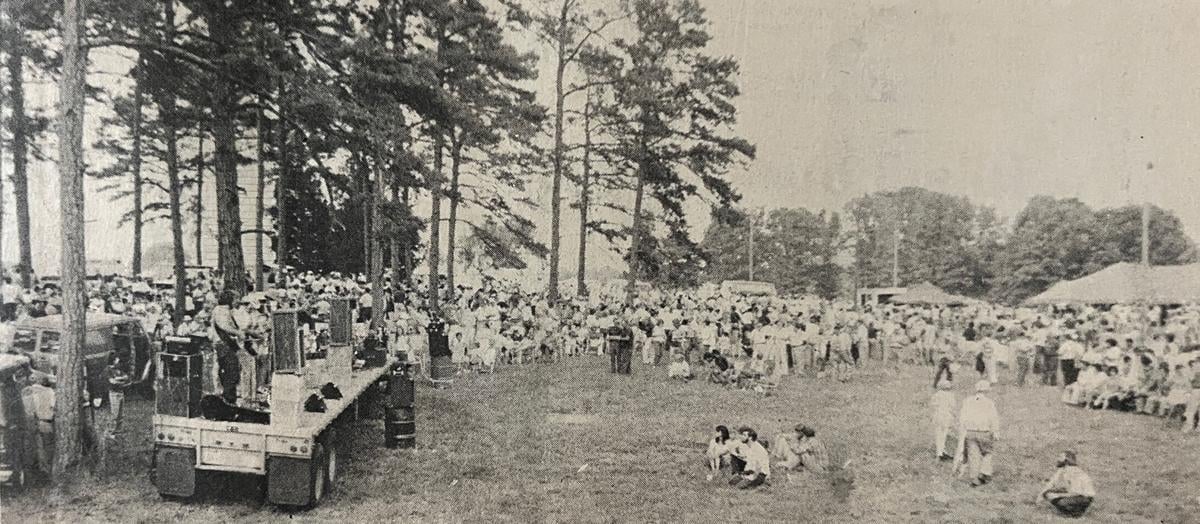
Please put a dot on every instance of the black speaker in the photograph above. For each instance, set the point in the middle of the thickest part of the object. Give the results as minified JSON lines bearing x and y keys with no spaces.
{"x":181,"y":345}
{"x":287,"y":350}
{"x":439,"y":344}
{"x":341,"y":321}
{"x":179,"y":385}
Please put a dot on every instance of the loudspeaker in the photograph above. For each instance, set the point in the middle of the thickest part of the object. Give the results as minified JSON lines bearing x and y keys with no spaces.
{"x":175,"y":471}
{"x":341,"y":321}
{"x":287,"y":348}
{"x":439,"y":344}
{"x":179,"y":386}
{"x":181,"y":345}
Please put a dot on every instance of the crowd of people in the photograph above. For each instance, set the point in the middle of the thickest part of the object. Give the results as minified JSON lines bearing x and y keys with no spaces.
{"x":1139,"y":359}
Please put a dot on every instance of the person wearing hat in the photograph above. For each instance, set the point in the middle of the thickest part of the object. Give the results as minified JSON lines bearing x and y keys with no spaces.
{"x":808,"y":454}
{"x":1070,"y":490}
{"x":227,"y":340}
{"x":979,"y":424}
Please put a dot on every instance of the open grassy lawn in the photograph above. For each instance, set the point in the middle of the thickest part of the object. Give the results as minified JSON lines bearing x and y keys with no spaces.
{"x":513,"y":446}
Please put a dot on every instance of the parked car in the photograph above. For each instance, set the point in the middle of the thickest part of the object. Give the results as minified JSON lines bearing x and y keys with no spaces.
{"x":16,"y":460}
{"x":109,"y":340}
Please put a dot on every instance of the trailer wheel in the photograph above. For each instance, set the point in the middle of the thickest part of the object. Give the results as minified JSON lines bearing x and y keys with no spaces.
{"x":319,"y":472}
{"x":331,"y":468}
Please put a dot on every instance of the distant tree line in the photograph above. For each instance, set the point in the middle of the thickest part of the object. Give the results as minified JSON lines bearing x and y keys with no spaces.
{"x":946,"y":240}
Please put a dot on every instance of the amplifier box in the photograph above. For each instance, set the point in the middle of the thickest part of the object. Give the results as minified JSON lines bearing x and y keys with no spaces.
{"x":341,"y":321}
{"x":179,"y":385}
{"x":287,"y":347}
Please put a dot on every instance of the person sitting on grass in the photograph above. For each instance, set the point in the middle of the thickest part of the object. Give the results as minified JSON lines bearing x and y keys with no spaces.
{"x":1191,"y":413}
{"x":1084,"y":390}
{"x":1179,"y":387}
{"x":1156,"y":388}
{"x":811,"y":451}
{"x":755,"y":459}
{"x":718,"y":452}
{"x":720,"y":370}
{"x":679,"y":368}
{"x":1111,"y":390}
{"x":1070,"y":491}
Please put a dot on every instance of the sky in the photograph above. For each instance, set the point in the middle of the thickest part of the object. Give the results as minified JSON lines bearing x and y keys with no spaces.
{"x":995,"y":101}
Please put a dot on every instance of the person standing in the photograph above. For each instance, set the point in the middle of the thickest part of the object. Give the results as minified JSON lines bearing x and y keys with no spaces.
{"x":228,"y":335}
{"x":1050,"y":359}
{"x":943,"y":404}
{"x":620,"y":341}
{"x":1022,"y":349}
{"x":1068,"y":354}
{"x":1070,"y":490}
{"x":979,"y":424}
{"x":11,"y":296}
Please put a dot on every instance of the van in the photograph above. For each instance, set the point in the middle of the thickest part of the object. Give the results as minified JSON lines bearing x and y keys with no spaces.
{"x":109,"y":339}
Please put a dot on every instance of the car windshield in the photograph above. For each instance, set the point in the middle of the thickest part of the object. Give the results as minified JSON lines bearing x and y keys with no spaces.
{"x":50,"y":342}
{"x":23,"y":340}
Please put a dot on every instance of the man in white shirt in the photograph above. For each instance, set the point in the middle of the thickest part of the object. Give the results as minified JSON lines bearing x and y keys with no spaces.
{"x":979,"y":424}
{"x":12,"y":294}
{"x":1070,"y":491}
{"x":757,"y":461}
{"x":1068,"y":354}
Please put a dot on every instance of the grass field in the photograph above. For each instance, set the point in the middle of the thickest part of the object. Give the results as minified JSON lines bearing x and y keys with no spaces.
{"x":510,"y":447}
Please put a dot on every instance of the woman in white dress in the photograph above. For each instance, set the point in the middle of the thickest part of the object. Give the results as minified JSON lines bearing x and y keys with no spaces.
{"x":943,"y":404}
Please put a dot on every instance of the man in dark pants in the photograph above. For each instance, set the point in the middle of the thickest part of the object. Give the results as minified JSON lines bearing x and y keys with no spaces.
{"x":1050,"y":360}
{"x":620,"y":342}
{"x":229,"y":370}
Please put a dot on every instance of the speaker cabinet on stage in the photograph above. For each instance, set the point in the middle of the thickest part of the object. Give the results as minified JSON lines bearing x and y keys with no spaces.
{"x":439,"y":342}
{"x":287,"y":348}
{"x":181,"y":345}
{"x":179,"y":387}
{"x":341,"y":321}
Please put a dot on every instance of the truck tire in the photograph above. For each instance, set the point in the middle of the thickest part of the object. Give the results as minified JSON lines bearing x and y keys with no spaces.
{"x":331,"y":468}
{"x":319,"y":472}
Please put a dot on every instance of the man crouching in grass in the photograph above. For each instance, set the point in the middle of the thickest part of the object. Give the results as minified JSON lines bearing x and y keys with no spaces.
{"x":753,"y":459}
{"x":1070,"y":491}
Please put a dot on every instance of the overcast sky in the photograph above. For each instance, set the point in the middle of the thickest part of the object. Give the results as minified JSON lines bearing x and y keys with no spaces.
{"x":997,"y":101}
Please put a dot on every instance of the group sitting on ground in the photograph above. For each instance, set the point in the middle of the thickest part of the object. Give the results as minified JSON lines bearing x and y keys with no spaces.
{"x":747,"y":462}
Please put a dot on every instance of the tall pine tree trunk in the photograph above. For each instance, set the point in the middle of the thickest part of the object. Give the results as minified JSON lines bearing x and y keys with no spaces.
{"x":408,"y":250}
{"x":585,"y":202}
{"x":136,"y":167}
{"x":435,"y":220}
{"x":199,"y":210}
{"x":19,"y":128}
{"x":397,"y":256}
{"x":557,"y":156}
{"x":365,"y":197}
{"x":259,"y":281}
{"x":166,"y":104}
{"x":452,"y":226}
{"x":378,"y":291}
{"x":67,"y":411}
{"x":635,"y":248}
{"x":225,"y":159}
{"x":281,"y":192}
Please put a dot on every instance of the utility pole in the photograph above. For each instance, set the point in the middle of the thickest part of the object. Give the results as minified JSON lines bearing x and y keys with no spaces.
{"x":896,"y":258}
{"x":1146,"y":221}
{"x":753,"y":218}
